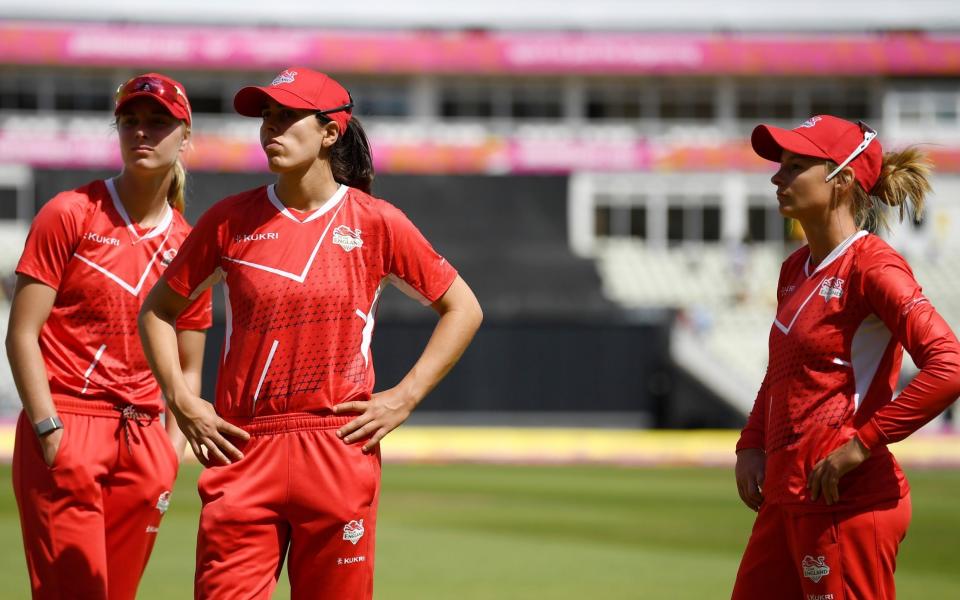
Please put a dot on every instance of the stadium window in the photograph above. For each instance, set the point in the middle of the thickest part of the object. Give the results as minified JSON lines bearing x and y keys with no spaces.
{"x":910,"y":108}
{"x":764,"y":221}
{"x":613,"y":103}
{"x":541,"y":102}
{"x":601,"y":221}
{"x":206,"y":101}
{"x":8,"y":203}
{"x":849,"y":102}
{"x":18,"y":93}
{"x":375,"y":99}
{"x":945,"y":108}
{"x":638,"y":222}
{"x":766,"y":102}
{"x":90,"y":95}
{"x":856,"y":105}
{"x":687,"y":102}
{"x":12,"y":99}
{"x":711,"y":222}
{"x":462,"y":101}
{"x":757,"y":223}
{"x":675,"y":223}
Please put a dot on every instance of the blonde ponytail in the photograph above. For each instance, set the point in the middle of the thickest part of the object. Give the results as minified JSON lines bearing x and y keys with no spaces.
{"x":903,"y":179}
{"x":176,"y":195}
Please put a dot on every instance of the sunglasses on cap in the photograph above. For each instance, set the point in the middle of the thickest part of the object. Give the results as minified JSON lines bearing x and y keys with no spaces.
{"x":166,"y":91}
{"x":342,"y":107}
{"x":868,"y":136}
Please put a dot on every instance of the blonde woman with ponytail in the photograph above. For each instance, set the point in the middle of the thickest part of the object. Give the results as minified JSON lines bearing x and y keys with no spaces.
{"x":94,"y":462}
{"x":832,"y":503}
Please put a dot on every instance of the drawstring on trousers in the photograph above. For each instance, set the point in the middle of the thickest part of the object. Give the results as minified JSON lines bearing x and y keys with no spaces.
{"x":129,"y":415}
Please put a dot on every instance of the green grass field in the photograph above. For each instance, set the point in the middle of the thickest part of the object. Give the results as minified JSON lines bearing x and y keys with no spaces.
{"x":472,"y":532}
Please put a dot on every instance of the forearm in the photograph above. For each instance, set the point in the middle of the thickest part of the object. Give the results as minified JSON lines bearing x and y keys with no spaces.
{"x":159,"y":338}
{"x":931,"y":391}
{"x":752,"y":435}
{"x":190,"y":344}
{"x":177,"y":439}
{"x":30,"y":375}
{"x":935,"y":349}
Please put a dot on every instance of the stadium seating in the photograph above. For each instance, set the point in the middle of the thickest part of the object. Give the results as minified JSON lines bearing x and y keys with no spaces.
{"x":721,"y":333}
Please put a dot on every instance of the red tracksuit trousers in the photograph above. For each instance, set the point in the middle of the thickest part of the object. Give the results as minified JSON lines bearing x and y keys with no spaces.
{"x":90,"y":520}
{"x":834,"y":555}
{"x":299,"y":492}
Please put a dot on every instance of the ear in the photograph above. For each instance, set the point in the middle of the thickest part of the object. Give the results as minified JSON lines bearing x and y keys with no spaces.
{"x":846,"y":179}
{"x":331,"y":133}
{"x":185,"y":142}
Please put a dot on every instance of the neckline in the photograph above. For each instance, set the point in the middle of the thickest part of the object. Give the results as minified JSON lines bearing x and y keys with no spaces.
{"x":310,"y":215}
{"x":135,"y":229}
{"x":834,"y":254}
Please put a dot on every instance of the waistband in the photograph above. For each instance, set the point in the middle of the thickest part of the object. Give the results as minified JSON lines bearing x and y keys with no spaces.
{"x":286,"y":423}
{"x":101,"y":408}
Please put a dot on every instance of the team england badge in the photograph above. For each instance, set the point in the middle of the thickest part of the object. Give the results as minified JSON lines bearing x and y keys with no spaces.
{"x":815,"y":569}
{"x":831,"y":287}
{"x":163,"y":502}
{"x":347,"y":238}
{"x":287,"y":76}
{"x":353,"y":531}
{"x":168,"y":256}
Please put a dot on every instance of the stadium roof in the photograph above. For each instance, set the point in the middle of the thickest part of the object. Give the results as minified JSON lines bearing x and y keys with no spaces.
{"x":614,"y":15}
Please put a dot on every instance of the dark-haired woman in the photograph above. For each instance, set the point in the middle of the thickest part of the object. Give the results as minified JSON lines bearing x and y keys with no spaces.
{"x":93,"y":464}
{"x":291,"y":441}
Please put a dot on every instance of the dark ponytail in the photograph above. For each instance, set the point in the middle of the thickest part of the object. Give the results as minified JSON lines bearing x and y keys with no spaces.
{"x":350,"y":158}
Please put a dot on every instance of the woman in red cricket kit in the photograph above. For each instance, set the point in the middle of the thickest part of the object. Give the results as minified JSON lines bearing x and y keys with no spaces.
{"x":93,"y":465}
{"x":833,"y":504}
{"x":291,"y":441}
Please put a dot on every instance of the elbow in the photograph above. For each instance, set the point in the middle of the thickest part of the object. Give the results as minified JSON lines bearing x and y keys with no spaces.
{"x":142,"y":317}
{"x":9,"y":341}
{"x":16,"y":337}
{"x":476,"y":315}
{"x":152,"y":309}
{"x":473,"y":316}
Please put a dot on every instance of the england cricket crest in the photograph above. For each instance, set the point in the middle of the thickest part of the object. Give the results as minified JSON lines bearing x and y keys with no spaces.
{"x":168,"y":257}
{"x":815,"y":569}
{"x":163,"y":502}
{"x":287,"y":76}
{"x":353,"y":531}
{"x":347,"y":238}
{"x":831,"y":287}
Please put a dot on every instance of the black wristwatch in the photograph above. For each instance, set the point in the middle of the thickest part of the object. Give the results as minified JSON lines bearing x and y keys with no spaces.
{"x":47,"y":426}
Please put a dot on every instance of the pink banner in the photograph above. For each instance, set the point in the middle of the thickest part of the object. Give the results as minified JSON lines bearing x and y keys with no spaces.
{"x":159,"y":46}
{"x":66,"y":149}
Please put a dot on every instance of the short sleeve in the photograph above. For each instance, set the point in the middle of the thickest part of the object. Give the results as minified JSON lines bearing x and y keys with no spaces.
{"x":199,"y":315}
{"x":196,"y":266}
{"x":53,"y":238}
{"x":413,"y":261}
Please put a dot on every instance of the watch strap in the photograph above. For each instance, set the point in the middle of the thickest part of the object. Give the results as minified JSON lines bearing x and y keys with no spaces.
{"x":47,"y":426}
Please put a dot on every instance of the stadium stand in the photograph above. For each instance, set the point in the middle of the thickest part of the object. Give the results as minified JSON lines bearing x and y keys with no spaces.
{"x":575,"y":167}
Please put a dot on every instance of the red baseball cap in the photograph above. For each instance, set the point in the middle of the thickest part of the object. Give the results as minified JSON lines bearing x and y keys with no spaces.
{"x":825,"y":136}
{"x":302,"y":88}
{"x":168,"y":92}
